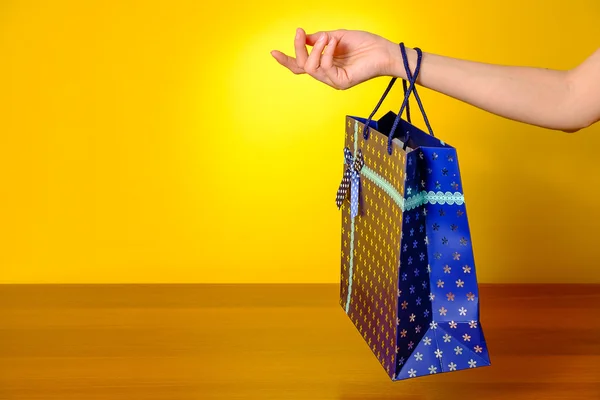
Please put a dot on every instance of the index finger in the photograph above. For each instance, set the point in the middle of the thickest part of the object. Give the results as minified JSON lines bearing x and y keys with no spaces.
{"x":287,"y":61}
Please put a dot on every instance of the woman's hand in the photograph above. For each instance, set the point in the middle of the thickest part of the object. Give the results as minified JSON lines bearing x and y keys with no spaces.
{"x":340,"y":58}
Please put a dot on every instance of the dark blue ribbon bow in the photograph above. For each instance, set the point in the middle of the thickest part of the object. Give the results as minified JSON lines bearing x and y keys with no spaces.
{"x":351,"y":180}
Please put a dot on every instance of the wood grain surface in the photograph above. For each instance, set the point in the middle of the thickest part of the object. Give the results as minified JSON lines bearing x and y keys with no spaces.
{"x":276,"y":342}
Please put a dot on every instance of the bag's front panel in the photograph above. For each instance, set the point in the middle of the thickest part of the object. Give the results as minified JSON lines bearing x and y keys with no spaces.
{"x":371,"y":242}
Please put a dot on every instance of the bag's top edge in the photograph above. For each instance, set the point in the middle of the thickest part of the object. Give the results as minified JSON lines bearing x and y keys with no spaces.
{"x":418,"y":131}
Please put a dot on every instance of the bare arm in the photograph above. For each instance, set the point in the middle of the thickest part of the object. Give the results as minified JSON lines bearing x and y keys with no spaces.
{"x":561,"y":100}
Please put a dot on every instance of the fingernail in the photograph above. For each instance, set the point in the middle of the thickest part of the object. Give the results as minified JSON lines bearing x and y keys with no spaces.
{"x":322,"y":38}
{"x":297,"y":33}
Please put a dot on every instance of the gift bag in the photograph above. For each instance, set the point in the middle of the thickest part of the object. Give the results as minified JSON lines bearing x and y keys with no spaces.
{"x":408,"y":279}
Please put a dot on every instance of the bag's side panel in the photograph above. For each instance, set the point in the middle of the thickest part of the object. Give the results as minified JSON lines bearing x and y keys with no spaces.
{"x":414,"y":308}
{"x":455,"y":299}
{"x":453,"y":339}
{"x":370,"y":245}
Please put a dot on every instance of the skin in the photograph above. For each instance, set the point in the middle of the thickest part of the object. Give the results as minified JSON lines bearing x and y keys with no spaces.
{"x":560,"y":100}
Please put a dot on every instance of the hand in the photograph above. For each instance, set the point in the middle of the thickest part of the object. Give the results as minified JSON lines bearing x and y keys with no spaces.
{"x":341,"y":58}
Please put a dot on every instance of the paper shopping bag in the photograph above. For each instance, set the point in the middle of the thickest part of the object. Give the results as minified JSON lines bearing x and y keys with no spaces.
{"x":408,"y":280}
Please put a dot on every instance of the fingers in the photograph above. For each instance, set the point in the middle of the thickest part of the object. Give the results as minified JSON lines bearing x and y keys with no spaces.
{"x":287,"y":61}
{"x":327,"y":61}
{"x":319,"y":64}
{"x":314,"y":60}
{"x":300,"y":47}
{"x":313,"y":37}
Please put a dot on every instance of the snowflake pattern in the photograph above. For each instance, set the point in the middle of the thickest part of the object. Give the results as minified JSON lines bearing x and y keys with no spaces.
{"x":441,"y":255}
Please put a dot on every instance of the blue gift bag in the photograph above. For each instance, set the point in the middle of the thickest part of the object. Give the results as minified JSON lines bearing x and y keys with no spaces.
{"x":408,"y":280}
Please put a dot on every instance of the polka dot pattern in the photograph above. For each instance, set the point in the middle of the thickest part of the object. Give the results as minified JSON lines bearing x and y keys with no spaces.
{"x":350,"y":180}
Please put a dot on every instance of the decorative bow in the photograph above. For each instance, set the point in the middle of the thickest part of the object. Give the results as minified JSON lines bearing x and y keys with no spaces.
{"x":351,"y":180}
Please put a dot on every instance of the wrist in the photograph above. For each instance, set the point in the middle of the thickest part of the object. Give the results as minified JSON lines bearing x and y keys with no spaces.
{"x":395,"y":66}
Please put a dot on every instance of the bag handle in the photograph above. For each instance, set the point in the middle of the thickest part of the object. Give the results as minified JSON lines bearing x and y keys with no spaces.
{"x":404,"y":87}
{"x":406,"y":103}
{"x":387,"y":90}
{"x":368,"y":121}
{"x":412,"y":88}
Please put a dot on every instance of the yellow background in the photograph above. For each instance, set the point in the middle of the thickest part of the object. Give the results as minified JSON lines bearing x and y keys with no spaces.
{"x":158,"y":141}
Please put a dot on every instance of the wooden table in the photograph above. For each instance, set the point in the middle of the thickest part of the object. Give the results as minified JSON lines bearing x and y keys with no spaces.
{"x":276,"y":342}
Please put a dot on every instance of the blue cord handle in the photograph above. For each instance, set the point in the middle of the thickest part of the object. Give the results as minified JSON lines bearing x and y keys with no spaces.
{"x":407,"y":104}
{"x":412,"y":88}
{"x":408,"y":74}
{"x":387,"y":90}
{"x":412,"y":80}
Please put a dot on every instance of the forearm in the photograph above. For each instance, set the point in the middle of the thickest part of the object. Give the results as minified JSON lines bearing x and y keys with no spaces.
{"x":535,"y":96}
